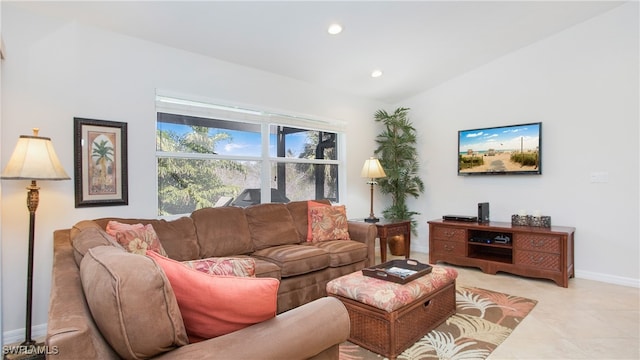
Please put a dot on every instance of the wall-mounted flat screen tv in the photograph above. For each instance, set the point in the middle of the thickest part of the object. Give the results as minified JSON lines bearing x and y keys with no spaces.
{"x":500,"y":150}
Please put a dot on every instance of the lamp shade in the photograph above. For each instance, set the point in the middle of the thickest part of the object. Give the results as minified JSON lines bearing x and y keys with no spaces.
{"x":372,"y":169}
{"x":34,"y":159}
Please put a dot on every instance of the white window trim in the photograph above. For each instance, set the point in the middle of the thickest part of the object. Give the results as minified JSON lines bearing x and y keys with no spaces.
{"x":198,"y":106}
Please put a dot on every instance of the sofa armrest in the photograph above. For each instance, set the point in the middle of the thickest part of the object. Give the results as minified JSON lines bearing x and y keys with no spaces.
{"x":300,"y":333}
{"x":71,"y":332}
{"x":365,"y":233}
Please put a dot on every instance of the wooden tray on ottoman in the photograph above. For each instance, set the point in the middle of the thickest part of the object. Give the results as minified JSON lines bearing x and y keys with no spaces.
{"x":398,"y":271}
{"x":390,"y":333}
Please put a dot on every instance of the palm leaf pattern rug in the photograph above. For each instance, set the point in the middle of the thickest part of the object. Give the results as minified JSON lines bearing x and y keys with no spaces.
{"x":483,"y":320}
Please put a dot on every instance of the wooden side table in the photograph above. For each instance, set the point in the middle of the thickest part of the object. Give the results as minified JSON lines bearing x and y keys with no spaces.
{"x":389,"y":228}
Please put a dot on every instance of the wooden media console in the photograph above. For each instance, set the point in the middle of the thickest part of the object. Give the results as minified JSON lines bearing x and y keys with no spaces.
{"x":538,"y":252}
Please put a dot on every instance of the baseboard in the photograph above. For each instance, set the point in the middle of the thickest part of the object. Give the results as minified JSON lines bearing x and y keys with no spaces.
{"x":587,"y":275}
{"x":611,"y":279}
{"x":17,"y":336}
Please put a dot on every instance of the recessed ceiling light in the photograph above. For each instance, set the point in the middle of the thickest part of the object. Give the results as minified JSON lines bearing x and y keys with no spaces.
{"x":376,"y":73}
{"x":334,"y":29}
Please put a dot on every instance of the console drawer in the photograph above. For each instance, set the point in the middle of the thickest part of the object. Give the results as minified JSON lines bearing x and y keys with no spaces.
{"x":538,"y":260}
{"x":538,"y":242}
{"x":449,"y":234}
{"x":449,"y":248}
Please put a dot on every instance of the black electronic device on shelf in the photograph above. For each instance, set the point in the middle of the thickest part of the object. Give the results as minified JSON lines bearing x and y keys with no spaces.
{"x":466,"y":218}
{"x":482,"y":240}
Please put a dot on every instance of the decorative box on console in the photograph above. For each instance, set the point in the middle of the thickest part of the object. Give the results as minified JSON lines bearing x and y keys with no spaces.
{"x":528,"y":220}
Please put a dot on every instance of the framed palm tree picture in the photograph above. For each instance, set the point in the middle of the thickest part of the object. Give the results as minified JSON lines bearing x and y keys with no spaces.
{"x":100,"y":163}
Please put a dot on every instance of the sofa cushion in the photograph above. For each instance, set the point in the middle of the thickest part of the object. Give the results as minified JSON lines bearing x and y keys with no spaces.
{"x":88,"y":238}
{"x":343,"y":252}
{"x":216,"y":305}
{"x":224,"y":266}
{"x":81,"y":225}
{"x":136,"y":238}
{"x":178,"y":237}
{"x":222,"y":231}
{"x":129,"y":296}
{"x":271,"y":225}
{"x":266,"y":268}
{"x":327,"y":223}
{"x":300,"y":214}
{"x":295,"y":259}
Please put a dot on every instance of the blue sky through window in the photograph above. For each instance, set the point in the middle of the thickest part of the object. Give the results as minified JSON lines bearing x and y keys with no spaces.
{"x":243,"y":143}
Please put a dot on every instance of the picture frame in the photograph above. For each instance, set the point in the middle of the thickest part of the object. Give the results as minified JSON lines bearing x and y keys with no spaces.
{"x":100,"y":163}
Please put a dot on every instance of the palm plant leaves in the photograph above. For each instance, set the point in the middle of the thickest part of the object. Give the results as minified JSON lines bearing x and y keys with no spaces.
{"x":398,"y":156}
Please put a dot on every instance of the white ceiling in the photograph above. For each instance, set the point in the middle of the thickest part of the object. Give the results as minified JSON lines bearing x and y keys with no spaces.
{"x":417,"y":45}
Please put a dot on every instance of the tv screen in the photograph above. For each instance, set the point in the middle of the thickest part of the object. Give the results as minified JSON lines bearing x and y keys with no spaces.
{"x":500,"y":150}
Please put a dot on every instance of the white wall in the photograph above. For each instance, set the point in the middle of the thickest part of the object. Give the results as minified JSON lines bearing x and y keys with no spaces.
{"x":55,"y":71}
{"x":582,"y":84}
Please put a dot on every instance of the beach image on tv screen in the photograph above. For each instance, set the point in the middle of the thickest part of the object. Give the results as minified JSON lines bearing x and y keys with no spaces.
{"x":500,"y":150}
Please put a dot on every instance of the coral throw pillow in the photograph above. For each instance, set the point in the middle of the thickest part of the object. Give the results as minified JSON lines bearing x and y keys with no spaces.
{"x":327,"y":222}
{"x":114,"y":227}
{"x":136,"y":238}
{"x":212,"y":306}
{"x":224,"y":266}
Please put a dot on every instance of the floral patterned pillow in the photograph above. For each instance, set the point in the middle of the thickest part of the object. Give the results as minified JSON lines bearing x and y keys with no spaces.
{"x":138,"y":240}
{"x":245,"y":267}
{"x":328,"y":223}
{"x":311,"y":204}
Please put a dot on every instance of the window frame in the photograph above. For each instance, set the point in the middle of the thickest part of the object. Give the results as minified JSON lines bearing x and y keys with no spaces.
{"x":209,"y":109}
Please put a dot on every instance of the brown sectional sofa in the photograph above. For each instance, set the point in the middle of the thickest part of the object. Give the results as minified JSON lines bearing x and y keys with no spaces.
{"x":309,"y":325}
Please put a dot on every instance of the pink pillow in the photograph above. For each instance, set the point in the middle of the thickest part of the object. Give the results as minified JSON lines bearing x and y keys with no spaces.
{"x":224,"y":266}
{"x":212,"y":306}
{"x":138,"y":238}
{"x":328,"y":223}
{"x":114,"y":227}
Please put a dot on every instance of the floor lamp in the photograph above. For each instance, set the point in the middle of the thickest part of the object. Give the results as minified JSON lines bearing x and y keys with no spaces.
{"x":372,"y":170}
{"x":33,"y":159}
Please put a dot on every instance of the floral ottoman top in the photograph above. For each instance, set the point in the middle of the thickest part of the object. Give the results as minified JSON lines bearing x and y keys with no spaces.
{"x":387,"y":295}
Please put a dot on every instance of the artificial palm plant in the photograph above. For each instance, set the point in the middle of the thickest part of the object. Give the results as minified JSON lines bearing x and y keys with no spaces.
{"x":399,"y":157}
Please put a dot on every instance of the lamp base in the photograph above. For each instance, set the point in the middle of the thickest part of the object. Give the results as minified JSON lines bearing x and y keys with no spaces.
{"x":33,"y":351}
{"x":371,"y":219}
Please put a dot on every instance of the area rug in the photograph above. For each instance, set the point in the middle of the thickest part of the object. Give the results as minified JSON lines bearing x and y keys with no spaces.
{"x":483,"y":320}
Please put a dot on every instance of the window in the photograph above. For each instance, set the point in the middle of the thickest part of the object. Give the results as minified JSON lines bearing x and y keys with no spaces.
{"x":211,"y":155}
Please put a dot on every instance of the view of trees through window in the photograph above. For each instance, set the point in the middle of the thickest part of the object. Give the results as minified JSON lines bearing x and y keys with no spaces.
{"x":205,"y":162}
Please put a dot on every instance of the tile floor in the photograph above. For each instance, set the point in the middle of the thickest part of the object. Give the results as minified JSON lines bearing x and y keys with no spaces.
{"x":587,"y":320}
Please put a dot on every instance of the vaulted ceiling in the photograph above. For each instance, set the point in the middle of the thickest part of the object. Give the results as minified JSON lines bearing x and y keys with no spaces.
{"x":417,"y":45}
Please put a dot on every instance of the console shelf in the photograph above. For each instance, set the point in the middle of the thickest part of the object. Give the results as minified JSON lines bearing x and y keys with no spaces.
{"x":499,"y":246}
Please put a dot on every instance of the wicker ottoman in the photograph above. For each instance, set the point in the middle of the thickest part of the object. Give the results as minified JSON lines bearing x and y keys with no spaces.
{"x":386,"y":317}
